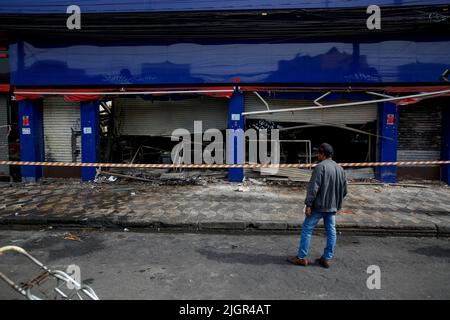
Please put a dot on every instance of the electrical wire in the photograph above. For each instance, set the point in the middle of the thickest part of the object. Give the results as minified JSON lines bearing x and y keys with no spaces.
{"x":248,"y":25}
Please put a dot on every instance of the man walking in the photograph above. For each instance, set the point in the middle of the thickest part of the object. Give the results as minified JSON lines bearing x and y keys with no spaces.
{"x":326,"y":191}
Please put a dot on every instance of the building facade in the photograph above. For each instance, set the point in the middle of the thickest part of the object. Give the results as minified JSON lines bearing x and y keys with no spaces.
{"x":132,"y":73}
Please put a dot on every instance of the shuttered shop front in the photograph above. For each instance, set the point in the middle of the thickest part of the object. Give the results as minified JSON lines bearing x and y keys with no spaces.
{"x":419,"y":139}
{"x":62,"y":138}
{"x":340,"y":115}
{"x":140,"y":117}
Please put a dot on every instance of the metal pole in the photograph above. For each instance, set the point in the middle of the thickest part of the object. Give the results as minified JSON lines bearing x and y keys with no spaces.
{"x":349,"y":104}
{"x":120,"y":92}
{"x":261,"y":98}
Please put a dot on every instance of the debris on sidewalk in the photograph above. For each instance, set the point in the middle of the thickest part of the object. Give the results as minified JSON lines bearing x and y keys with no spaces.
{"x":112,"y":179}
{"x":292,"y":174}
{"x":161,"y":176}
{"x":113,"y":176}
{"x":303,"y":175}
{"x":243,"y":189}
{"x":405,"y":185}
{"x":360,"y":174}
{"x":256,"y":182}
{"x":71,"y":236}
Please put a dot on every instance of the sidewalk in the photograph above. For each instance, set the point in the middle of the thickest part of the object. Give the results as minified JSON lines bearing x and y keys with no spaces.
{"x":219,"y":206}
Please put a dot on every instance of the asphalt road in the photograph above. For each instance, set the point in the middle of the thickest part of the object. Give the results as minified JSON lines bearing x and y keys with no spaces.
{"x":128,"y":265}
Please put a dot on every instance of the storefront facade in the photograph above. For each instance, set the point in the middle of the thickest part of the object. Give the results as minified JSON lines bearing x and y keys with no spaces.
{"x":246,"y":47}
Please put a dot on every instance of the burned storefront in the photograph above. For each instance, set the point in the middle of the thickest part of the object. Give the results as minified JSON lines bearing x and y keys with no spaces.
{"x":115,"y":94}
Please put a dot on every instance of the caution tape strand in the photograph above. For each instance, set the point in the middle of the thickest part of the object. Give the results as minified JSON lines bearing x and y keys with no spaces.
{"x":219,"y":166}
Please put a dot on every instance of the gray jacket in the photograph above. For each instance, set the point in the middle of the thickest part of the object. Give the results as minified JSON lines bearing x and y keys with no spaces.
{"x":327,"y":187}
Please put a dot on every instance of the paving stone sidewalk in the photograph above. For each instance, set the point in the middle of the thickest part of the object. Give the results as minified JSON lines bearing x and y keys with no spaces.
{"x":220,"y":206}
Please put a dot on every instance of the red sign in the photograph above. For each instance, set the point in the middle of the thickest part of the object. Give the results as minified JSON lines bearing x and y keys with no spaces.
{"x":390,"y":119}
{"x":25,"y":120}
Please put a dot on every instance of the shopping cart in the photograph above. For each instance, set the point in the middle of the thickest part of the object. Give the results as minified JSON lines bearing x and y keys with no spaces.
{"x":48,"y":284}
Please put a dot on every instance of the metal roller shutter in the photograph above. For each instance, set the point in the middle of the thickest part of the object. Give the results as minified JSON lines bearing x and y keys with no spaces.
{"x":419,"y":139}
{"x":159,"y":118}
{"x":4,"y":151}
{"x":59,"y":118}
{"x":419,"y":133}
{"x":342,"y":115}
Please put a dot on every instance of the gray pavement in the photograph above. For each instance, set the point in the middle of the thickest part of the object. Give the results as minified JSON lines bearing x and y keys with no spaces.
{"x":128,"y":265}
{"x":220,"y":206}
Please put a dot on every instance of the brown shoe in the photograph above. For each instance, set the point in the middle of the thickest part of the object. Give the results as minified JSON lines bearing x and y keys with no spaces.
{"x":297,"y":261}
{"x":322,"y":262}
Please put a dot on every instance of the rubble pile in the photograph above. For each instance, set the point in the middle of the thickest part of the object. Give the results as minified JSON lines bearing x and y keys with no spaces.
{"x":162,"y":176}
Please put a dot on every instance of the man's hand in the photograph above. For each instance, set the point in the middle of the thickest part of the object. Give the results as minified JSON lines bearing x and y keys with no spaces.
{"x":308,"y":211}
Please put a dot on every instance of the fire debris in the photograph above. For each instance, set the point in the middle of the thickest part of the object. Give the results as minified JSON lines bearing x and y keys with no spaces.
{"x":161,"y":176}
{"x":71,"y":236}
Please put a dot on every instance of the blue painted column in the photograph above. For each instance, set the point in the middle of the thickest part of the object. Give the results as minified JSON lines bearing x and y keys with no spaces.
{"x":90,"y":137}
{"x":31,"y":138}
{"x":387,"y":148}
{"x":445,"y":169}
{"x":235,"y":150}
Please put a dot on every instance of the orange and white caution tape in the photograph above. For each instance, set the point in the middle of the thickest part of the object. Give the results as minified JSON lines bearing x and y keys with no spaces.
{"x":219,"y":166}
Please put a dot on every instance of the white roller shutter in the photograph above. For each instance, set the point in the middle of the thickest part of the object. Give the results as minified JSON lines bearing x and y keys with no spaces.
{"x":340,"y":115}
{"x":59,"y":118}
{"x":159,"y":118}
{"x":4,"y":152}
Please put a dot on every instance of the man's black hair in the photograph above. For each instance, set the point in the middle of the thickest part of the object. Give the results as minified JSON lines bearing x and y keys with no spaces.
{"x":326,"y":150}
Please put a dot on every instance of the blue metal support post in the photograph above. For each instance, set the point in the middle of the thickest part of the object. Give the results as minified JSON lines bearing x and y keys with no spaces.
{"x":90,"y":137}
{"x":445,"y":169}
{"x":387,"y":152}
{"x":31,"y":138}
{"x":235,"y":150}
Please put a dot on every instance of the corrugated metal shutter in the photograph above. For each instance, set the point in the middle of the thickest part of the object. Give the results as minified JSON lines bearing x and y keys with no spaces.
{"x":4,"y":150}
{"x":342,"y":115}
{"x":418,"y":155}
{"x":59,"y":118}
{"x":159,"y":118}
{"x":419,"y":133}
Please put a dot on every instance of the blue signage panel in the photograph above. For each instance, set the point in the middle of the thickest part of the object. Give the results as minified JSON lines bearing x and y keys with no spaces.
{"x":114,"y":6}
{"x":195,"y":63}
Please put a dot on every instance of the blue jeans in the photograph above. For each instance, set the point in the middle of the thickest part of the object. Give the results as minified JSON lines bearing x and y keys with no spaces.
{"x":329,"y":220}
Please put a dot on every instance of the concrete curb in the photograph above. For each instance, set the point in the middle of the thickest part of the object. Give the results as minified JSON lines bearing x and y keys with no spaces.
{"x":267,"y":227}
{"x":443,"y":229}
